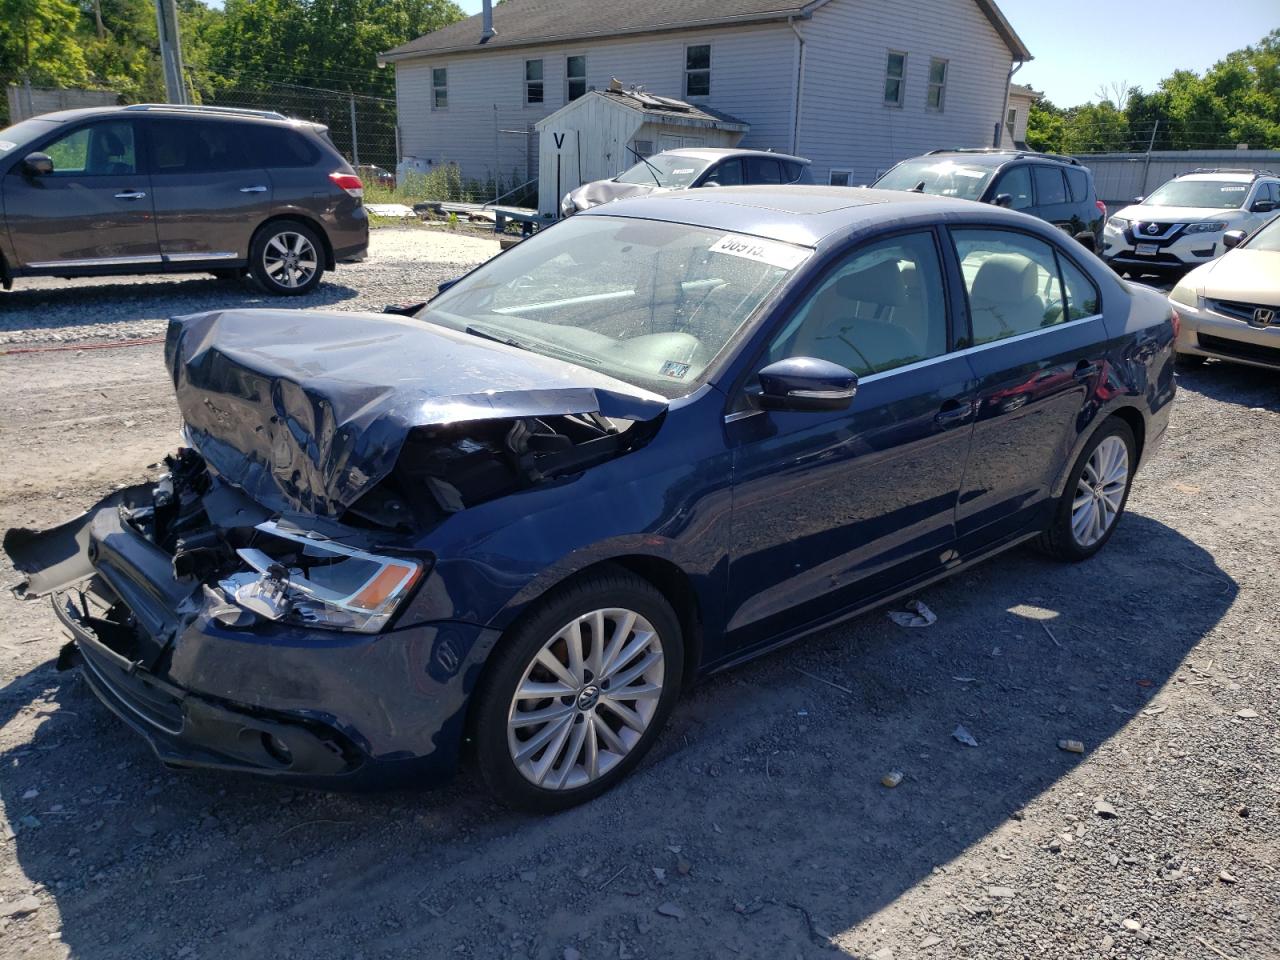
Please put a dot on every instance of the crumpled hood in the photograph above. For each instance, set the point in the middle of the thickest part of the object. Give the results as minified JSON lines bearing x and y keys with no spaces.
{"x":1142,"y":213}
{"x":306,"y":411}
{"x":602,"y":191}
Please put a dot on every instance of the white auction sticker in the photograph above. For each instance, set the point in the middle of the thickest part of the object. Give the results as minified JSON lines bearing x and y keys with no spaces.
{"x":762,"y":251}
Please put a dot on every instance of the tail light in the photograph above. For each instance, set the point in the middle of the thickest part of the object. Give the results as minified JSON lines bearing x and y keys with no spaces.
{"x":1177,"y":323}
{"x":348,"y":182}
{"x":1102,"y":208}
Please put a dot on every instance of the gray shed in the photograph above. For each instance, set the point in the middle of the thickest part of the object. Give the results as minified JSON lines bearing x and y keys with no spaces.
{"x":594,"y":136}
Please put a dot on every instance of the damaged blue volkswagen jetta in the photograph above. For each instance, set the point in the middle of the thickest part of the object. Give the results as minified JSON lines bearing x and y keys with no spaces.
{"x":646,"y":444}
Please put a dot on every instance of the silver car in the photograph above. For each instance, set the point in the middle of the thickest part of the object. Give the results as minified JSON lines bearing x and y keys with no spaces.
{"x":688,"y":168}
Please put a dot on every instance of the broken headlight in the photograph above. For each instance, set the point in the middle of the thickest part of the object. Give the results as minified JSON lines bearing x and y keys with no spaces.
{"x":321,"y":583}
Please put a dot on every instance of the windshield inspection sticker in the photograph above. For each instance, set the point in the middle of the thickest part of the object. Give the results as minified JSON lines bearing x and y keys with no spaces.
{"x":675,"y":369}
{"x":762,"y":251}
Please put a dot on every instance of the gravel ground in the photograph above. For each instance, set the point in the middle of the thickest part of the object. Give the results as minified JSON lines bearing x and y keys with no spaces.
{"x":403,"y":263}
{"x":759,"y":827}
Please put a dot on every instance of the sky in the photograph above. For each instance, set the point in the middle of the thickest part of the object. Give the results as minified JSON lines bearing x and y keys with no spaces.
{"x":1085,"y":44}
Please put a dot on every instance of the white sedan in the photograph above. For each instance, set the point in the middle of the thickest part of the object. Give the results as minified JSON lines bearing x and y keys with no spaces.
{"x":1230,"y":308}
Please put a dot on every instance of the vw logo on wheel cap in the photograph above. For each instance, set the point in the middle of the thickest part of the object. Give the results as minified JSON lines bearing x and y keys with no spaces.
{"x":589,"y":696}
{"x":1264,"y":317}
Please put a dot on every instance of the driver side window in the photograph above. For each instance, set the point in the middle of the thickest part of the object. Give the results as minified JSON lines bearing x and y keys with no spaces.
{"x":728,"y":174}
{"x":100,"y":150}
{"x":881,"y":307}
{"x":1016,"y":182}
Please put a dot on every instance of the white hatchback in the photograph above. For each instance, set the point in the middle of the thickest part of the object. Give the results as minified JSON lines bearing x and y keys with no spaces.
{"x":1181,"y":225}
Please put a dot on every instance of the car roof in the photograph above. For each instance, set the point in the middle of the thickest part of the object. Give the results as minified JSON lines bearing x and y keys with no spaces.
{"x":995,"y":158}
{"x":171,"y":110}
{"x":716,"y":153}
{"x":1228,"y":176}
{"x":803,"y":215}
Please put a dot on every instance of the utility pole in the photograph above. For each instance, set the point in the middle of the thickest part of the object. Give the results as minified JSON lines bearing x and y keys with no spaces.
{"x":1146,"y":166}
{"x":171,"y":51}
{"x":355,"y":138}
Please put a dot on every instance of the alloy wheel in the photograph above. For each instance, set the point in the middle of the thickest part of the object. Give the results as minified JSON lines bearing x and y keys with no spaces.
{"x":290,"y":259}
{"x":586,"y":699}
{"x":1100,"y":491}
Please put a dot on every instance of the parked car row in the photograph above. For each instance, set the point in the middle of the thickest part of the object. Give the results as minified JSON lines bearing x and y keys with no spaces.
{"x":158,"y":188}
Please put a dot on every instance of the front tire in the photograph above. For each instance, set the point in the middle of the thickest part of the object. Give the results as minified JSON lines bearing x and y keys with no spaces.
{"x":1095,"y":495}
{"x":287,"y":258}
{"x":578,"y":692}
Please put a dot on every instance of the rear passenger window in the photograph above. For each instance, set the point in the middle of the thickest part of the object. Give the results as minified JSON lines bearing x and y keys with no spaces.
{"x":281,"y":147}
{"x":1016,"y":182}
{"x":791,"y":170}
{"x":1012,"y":281}
{"x":1079,"y":184}
{"x":190,"y":146}
{"x":763,"y":170}
{"x":1082,"y":295}
{"x":880,"y":308}
{"x":1050,"y":187}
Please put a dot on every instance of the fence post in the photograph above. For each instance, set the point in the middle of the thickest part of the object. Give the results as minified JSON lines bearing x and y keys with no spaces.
{"x":1150,"y":146}
{"x":355,"y":140}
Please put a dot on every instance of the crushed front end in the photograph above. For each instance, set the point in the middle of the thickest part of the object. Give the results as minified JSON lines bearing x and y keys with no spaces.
{"x":230,"y":638}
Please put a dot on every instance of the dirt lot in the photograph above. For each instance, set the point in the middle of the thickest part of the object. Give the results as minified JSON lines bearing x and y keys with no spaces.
{"x":759,"y":827}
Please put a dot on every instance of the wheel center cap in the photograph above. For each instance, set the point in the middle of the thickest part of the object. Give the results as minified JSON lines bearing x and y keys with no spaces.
{"x":588,"y":697}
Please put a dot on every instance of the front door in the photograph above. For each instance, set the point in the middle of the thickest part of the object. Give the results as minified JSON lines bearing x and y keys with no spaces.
{"x":1039,"y":357}
{"x":209,"y":194}
{"x":832,"y":509}
{"x":93,"y":211}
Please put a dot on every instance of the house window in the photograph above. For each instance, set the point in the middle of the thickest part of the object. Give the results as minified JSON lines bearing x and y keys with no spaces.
{"x":1011,"y":121}
{"x":643,"y":148}
{"x":532,"y":81}
{"x":937,"y":84}
{"x":697,"y":70}
{"x":840,"y":178}
{"x":439,"y":88}
{"x":575,"y":70}
{"x":895,"y":79}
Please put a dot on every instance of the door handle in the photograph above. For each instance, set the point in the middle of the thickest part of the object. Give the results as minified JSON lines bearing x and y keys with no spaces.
{"x":130,"y":195}
{"x":1084,"y":370}
{"x":953,"y":413}
{"x":255,"y":189}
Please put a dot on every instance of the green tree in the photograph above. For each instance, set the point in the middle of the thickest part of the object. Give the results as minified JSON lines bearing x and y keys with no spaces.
{"x":1046,"y":127}
{"x":39,"y":42}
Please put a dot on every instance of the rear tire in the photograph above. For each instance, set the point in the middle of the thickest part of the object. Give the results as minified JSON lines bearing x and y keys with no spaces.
{"x":545,"y":744}
{"x":1095,"y":495}
{"x":287,"y":258}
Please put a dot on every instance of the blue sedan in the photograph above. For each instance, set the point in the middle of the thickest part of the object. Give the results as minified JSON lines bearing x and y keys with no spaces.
{"x":644,"y":445}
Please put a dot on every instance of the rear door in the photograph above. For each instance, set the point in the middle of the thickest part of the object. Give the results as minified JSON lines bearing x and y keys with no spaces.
{"x":1053,"y":198}
{"x":1039,"y":356}
{"x":762,"y":170}
{"x":93,"y":211}
{"x":209,"y":194}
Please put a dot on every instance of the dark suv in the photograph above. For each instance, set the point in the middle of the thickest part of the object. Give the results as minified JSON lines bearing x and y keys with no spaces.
{"x":154,"y":188}
{"x":1052,"y":187}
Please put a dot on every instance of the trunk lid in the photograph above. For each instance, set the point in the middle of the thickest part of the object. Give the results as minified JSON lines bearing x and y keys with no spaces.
{"x":305,"y":411}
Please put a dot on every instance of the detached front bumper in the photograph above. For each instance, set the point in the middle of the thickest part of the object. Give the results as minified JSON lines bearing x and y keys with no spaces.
{"x":1208,"y":333}
{"x":312,"y":706}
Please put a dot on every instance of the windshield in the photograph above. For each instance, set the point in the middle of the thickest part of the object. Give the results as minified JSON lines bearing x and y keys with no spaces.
{"x":943,"y":178}
{"x":1267,"y":239}
{"x":11,"y":138}
{"x":1219,"y":194}
{"x":665,"y":170}
{"x":644,"y":301}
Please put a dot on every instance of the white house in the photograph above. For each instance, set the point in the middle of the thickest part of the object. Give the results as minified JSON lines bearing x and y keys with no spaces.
{"x":854,"y":85}
{"x":1021,"y":97}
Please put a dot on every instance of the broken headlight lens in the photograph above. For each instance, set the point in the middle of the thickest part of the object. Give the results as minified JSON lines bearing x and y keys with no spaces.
{"x":322,"y":583}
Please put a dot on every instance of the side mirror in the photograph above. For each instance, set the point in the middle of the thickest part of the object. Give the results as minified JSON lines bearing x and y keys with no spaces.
{"x":806,"y":384}
{"x":1137,"y":199}
{"x":1004,"y":200}
{"x":1233,"y":238}
{"x":446,"y":284}
{"x":1262,"y":206}
{"x":712,"y":183}
{"x":37,"y":164}
{"x":404,"y":309}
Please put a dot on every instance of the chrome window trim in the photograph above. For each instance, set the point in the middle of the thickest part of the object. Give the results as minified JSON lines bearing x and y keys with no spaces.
{"x":148,"y":258}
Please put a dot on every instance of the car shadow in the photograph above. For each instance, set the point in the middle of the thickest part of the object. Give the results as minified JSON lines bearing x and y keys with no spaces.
{"x":84,"y":304}
{"x":759,"y":824}
{"x":1233,"y":383}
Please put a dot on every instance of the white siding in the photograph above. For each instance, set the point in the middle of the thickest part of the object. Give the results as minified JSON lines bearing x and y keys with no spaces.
{"x":752,"y":77}
{"x":844,"y":123}
{"x":1022,"y":103}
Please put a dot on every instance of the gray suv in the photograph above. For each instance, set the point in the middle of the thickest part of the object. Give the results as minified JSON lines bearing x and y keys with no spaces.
{"x":154,"y":188}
